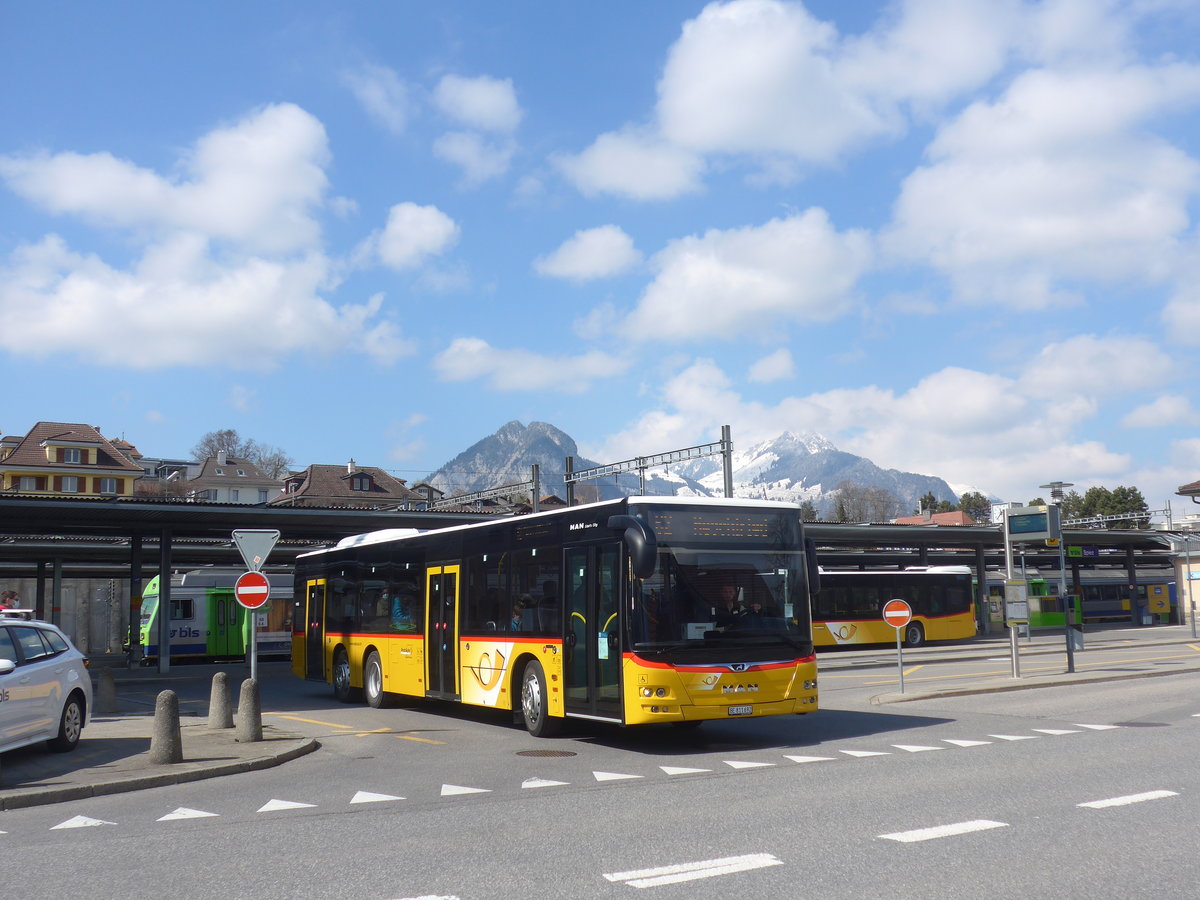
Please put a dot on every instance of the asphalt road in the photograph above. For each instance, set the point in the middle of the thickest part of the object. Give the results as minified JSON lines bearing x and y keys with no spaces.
{"x":980,"y":796}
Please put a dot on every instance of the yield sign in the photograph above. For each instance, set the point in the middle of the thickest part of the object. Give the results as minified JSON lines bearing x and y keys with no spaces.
{"x":252,"y":590}
{"x":254,"y":544}
{"x":897,"y":613}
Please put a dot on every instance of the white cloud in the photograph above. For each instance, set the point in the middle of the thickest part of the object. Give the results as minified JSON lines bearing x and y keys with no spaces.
{"x":482,"y":103}
{"x":592,"y":253}
{"x":468,"y":359}
{"x":242,"y":398}
{"x":479,"y":158}
{"x":776,"y":367}
{"x":382,"y":94}
{"x":413,"y":233}
{"x":1053,"y":184}
{"x":254,"y":184}
{"x":1169,"y":410}
{"x":1091,"y":365}
{"x":729,"y":283}
{"x":633,"y":164}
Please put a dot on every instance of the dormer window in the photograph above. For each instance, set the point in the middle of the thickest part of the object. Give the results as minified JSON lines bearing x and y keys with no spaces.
{"x":242,"y":472}
{"x":218,"y":471}
{"x":72,"y":455}
{"x":360,"y":483}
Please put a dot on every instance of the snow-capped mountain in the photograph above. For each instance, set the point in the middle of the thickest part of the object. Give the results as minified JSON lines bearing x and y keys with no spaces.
{"x":792,"y":467}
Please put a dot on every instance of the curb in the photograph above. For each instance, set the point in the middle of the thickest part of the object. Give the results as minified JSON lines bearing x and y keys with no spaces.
{"x":196,"y":772}
{"x":1021,"y":685}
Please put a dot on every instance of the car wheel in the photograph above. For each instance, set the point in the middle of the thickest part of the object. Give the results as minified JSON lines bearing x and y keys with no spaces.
{"x":534,"y":699}
{"x":373,"y":682}
{"x":70,"y":725}
{"x":342,"y":690}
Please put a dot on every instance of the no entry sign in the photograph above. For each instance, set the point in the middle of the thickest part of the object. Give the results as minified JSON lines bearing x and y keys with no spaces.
{"x":252,"y":590}
{"x":897,"y":613}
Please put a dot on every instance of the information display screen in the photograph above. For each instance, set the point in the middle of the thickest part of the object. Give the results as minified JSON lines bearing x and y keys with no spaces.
{"x":751,"y":528}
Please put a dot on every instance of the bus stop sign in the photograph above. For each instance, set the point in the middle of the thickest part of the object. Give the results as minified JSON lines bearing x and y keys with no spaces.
{"x":252,"y":590}
{"x":897,"y":613}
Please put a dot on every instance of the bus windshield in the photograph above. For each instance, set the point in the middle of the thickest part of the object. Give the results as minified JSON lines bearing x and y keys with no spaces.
{"x":709,"y":604}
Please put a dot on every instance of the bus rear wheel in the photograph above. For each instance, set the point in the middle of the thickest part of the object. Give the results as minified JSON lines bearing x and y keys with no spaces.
{"x":373,"y":682}
{"x":914,"y":634}
{"x":534,"y":700}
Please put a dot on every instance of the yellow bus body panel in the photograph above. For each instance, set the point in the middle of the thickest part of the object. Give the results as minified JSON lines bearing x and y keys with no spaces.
{"x":877,"y":631}
{"x":489,"y":667}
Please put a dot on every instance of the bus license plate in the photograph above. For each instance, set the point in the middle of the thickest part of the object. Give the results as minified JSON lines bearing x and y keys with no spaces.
{"x":741,"y":710}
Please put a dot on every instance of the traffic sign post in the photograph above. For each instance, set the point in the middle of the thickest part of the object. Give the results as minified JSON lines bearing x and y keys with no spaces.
{"x":252,"y":590}
{"x":898,"y":614}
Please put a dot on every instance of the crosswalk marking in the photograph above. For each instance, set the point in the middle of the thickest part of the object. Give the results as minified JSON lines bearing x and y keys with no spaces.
{"x":941,"y":831}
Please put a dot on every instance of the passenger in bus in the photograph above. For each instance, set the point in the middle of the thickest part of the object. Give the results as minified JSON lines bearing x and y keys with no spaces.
{"x":8,"y":600}
{"x":518,"y":616}
{"x":402,"y":613}
{"x":728,"y":609}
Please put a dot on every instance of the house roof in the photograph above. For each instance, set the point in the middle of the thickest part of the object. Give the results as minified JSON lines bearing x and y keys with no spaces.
{"x":947,"y":518}
{"x":334,"y":486}
{"x":31,"y":451}
{"x":1189,"y":490}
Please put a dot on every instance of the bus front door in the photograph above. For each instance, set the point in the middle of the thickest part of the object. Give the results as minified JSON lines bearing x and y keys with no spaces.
{"x":315,"y":631}
{"x":592,"y":640}
{"x":441,"y":632}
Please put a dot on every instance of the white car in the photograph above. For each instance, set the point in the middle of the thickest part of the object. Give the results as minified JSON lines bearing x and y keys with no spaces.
{"x":45,"y":688}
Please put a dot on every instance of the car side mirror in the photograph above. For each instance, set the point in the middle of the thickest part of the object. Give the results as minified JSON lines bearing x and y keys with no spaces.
{"x":640,"y":540}
{"x":7,"y":666}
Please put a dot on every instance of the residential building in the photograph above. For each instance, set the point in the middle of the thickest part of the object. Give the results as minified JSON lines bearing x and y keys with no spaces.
{"x":64,"y":459}
{"x":227,"y":479}
{"x":931,"y":518}
{"x":350,"y":485}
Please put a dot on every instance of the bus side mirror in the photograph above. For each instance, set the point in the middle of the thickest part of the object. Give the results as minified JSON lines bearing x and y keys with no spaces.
{"x":640,"y":540}
{"x":814,"y":571}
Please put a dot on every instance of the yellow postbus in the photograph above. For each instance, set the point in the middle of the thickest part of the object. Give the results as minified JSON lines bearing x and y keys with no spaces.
{"x":630,"y":611}
{"x":849,"y":607}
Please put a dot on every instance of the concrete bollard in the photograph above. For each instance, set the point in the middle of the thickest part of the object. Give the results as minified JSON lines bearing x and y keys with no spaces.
{"x":106,"y":692}
{"x":220,"y":710}
{"x":166,"y":744}
{"x":249,"y":718}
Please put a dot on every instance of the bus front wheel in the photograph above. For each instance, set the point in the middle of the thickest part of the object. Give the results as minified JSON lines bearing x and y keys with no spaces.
{"x":914,"y":635}
{"x":534,"y":700}
{"x":373,"y":682}
{"x":342,"y":690}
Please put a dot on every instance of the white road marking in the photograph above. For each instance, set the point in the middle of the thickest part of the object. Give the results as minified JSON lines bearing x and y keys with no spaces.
{"x":915,"y":748}
{"x":1058,"y":731}
{"x":737,"y":764}
{"x":184,"y":813}
{"x":941,"y":831}
{"x":682,"y":770}
{"x":1126,"y":800}
{"x":644,"y":878}
{"x":961,"y":743}
{"x":275,"y":805}
{"x":81,"y":822}
{"x":541,"y":782}
{"x":1014,"y":737}
{"x":613,"y":776}
{"x":862,"y":754}
{"x":369,"y":797}
{"x":1096,"y":727}
{"x":454,"y":790}
{"x":808,"y":759}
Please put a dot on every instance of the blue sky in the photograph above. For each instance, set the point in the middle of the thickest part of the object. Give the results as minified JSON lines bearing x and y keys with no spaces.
{"x":957,"y":237}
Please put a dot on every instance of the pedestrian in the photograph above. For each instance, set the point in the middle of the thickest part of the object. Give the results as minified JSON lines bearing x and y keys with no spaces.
{"x":8,"y":600}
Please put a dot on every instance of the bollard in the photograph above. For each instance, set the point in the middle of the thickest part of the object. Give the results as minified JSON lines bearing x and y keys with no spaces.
{"x":106,"y":692}
{"x":220,"y":711}
{"x":249,"y":719}
{"x":166,"y":745}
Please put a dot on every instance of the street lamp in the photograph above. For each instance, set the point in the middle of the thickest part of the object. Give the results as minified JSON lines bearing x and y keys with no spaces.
{"x":1056,"y":496}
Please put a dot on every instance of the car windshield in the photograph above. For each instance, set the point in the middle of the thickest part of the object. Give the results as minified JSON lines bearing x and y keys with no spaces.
{"x":743,"y":603}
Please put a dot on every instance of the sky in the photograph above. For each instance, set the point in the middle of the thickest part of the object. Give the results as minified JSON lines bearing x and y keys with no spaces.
{"x":957,"y":237}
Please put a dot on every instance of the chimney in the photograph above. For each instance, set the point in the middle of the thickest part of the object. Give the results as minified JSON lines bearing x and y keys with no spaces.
{"x":220,"y":457}
{"x":350,"y":466}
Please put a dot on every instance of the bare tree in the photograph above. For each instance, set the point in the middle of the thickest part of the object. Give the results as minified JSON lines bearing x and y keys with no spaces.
{"x":273,"y":461}
{"x":859,"y":503}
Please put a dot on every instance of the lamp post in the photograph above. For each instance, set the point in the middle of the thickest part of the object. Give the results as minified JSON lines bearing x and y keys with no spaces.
{"x":1056,"y":496}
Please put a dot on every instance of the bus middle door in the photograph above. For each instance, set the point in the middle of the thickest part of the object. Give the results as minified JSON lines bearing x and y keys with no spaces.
{"x":314,"y":631}
{"x":592,"y":640}
{"x":441,"y":632}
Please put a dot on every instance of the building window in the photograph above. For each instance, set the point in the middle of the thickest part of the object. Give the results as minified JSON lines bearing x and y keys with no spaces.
{"x":360,"y":483}
{"x":262,"y":496}
{"x":29,"y":483}
{"x":108,"y":485}
{"x":233,"y":495}
{"x":70,"y":484}
{"x":242,"y":472}
{"x":73,"y":455}
{"x":218,"y":471}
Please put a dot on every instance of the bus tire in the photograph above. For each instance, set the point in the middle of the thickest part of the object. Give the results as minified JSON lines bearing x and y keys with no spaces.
{"x":535,"y":700}
{"x":342,"y":691}
{"x":70,"y":725}
{"x":373,"y":682}
{"x":914,"y":634}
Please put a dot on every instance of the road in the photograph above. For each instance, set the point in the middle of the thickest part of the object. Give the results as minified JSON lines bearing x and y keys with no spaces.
{"x":997,"y":795}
